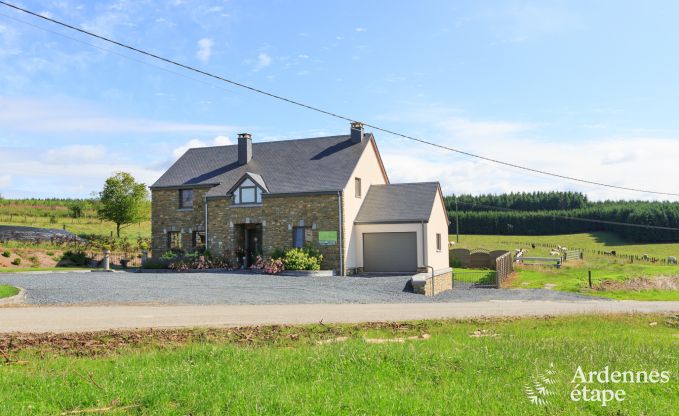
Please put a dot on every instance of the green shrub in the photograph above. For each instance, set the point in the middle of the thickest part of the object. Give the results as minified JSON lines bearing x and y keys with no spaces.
{"x":50,"y":253}
{"x":16,"y":261}
{"x":306,"y":258}
{"x":34,"y":261}
{"x":6,"y":253}
{"x":456,"y":263}
{"x":77,"y":258}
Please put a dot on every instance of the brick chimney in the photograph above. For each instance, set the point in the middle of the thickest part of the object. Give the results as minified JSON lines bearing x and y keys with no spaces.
{"x":356,"y":131}
{"x":244,"y":148}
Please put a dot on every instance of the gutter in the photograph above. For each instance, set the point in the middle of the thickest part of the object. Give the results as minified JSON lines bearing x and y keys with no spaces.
{"x":424,"y":248}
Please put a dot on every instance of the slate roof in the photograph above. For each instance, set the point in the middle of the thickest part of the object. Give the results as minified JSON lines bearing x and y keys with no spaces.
{"x":402,"y":202}
{"x":321,"y":164}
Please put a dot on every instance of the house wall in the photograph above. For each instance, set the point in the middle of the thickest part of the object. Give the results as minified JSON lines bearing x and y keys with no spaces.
{"x":278,"y":215}
{"x":166,"y":216}
{"x":360,"y":229}
{"x":368,"y":169}
{"x":438,"y":223}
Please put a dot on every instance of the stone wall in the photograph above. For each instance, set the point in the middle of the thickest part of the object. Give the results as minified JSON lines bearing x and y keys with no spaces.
{"x":427,"y":285}
{"x":278,"y":216}
{"x":166,"y":216}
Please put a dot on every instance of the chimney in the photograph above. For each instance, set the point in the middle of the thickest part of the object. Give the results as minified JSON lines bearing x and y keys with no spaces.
{"x":356,"y":132}
{"x":244,"y":148}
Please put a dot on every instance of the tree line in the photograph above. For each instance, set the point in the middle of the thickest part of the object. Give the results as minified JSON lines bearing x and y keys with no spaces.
{"x":538,"y":213}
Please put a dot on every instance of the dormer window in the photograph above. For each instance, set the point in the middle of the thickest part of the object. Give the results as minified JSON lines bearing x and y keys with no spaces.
{"x":247,"y":193}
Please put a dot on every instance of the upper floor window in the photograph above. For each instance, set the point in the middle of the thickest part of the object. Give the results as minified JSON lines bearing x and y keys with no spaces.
{"x":186,"y":198}
{"x":357,"y":183}
{"x":247,"y":193}
{"x":438,"y":242}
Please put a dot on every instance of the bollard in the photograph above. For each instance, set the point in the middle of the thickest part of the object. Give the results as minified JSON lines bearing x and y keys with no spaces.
{"x":144,"y":257}
{"x":107,"y":259}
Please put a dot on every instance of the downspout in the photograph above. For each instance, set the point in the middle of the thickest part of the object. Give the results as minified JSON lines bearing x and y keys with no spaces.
{"x":207,"y":240}
{"x":424,"y":246}
{"x":341,"y":227}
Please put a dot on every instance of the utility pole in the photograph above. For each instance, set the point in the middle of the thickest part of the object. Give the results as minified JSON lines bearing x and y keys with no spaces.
{"x":457,"y":221}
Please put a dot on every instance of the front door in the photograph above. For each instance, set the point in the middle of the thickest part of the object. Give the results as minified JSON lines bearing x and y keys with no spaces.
{"x":253,"y":243}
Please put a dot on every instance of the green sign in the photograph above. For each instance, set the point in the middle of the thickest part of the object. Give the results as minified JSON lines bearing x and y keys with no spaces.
{"x":327,"y":238}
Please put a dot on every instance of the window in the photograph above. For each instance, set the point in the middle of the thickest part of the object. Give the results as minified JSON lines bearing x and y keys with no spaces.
{"x":298,"y":237}
{"x":247,"y":193}
{"x":438,"y":242}
{"x":174,"y":240}
{"x":186,"y":198}
{"x":357,"y":182}
{"x":198,"y":239}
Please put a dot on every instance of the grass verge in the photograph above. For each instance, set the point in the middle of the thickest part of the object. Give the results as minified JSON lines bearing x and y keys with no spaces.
{"x":7,"y":291}
{"x":475,"y":367}
{"x":44,"y":269}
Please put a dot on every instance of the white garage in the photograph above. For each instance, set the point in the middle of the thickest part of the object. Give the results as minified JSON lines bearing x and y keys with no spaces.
{"x":402,"y":228}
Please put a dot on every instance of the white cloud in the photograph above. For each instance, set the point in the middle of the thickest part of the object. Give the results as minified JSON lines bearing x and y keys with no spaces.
{"x":205,"y":49}
{"x":302,"y":56}
{"x":76,"y":152}
{"x":65,"y":116}
{"x":633,"y":162}
{"x":360,"y":29}
{"x":194,"y":143}
{"x":263,"y":60}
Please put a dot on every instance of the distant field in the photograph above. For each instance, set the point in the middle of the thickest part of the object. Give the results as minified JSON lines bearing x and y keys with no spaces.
{"x":54,"y":213}
{"x":603,"y":241}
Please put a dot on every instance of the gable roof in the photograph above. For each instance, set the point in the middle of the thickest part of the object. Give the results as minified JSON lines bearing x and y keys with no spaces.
{"x":321,"y":164}
{"x":402,"y":202}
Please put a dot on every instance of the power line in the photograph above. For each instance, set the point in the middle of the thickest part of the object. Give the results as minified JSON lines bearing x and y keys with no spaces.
{"x":590,"y":220}
{"x":330,"y":113}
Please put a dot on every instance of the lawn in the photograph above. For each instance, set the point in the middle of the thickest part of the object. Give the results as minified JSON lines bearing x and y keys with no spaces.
{"x":573,"y":276}
{"x":602,"y":241}
{"x":467,"y":367}
{"x":7,"y":291}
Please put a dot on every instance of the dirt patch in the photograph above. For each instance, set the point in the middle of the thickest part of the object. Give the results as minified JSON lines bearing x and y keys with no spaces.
{"x":107,"y":342}
{"x":638,"y":284}
{"x":29,"y":257}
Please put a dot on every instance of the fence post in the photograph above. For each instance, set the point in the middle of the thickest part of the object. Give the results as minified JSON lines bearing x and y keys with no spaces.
{"x":144,"y":257}
{"x":107,"y":259}
{"x":589,"y":275}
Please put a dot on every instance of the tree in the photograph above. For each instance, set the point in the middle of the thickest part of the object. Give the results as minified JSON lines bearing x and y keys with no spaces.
{"x":123,"y":201}
{"x":75,"y":210}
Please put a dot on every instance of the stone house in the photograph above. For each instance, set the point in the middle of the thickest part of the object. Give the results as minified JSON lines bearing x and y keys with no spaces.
{"x":330,"y":192}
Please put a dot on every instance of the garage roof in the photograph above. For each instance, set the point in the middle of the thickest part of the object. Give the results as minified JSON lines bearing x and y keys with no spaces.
{"x":399,"y":202}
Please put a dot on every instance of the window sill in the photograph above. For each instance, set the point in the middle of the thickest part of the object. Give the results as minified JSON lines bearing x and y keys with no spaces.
{"x":184,"y":209}
{"x":245,"y":205}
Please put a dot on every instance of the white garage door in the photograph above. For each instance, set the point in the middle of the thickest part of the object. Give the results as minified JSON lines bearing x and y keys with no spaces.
{"x":390,"y":252}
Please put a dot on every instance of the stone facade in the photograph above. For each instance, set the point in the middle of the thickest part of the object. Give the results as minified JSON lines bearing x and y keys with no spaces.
{"x":277,"y":216}
{"x":166,"y":216}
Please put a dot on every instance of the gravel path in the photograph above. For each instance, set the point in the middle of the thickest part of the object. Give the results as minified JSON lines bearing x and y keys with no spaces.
{"x":213,"y":288}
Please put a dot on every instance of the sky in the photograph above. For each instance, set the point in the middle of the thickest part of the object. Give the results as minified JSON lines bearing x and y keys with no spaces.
{"x":580,"y":88}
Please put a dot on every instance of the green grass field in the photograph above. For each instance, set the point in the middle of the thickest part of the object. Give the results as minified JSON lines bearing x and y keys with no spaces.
{"x":573,"y":277}
{"x":7,"y":291}
{"x":602,"y":241}
{"x":470,"y":368}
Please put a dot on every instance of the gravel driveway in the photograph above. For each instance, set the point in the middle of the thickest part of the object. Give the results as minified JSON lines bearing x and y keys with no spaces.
{"x":219,"y":288}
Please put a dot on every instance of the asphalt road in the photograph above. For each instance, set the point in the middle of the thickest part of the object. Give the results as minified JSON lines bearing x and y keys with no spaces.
{"x":69,"y":288}
{"x":95,"y":318}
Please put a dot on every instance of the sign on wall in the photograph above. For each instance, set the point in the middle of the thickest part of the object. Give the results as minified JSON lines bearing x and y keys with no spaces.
{"x":327,"y":238}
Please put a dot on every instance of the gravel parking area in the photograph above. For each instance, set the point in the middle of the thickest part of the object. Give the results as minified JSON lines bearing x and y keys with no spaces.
{"x":230,"y":288}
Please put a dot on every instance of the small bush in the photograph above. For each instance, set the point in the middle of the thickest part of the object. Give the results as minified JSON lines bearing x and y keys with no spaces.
{"x":50,"y":253}
{"x":6,"y":253}
{"x":16,"y":261}
{"x":34,"y":261}
{"x":456,"y":263}
{"x":306,"y":258}
{"x":77,"y":258}
{"x":268,"y":265}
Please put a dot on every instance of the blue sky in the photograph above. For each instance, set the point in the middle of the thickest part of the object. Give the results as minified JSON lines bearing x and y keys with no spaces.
{"x":585,"y":89}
